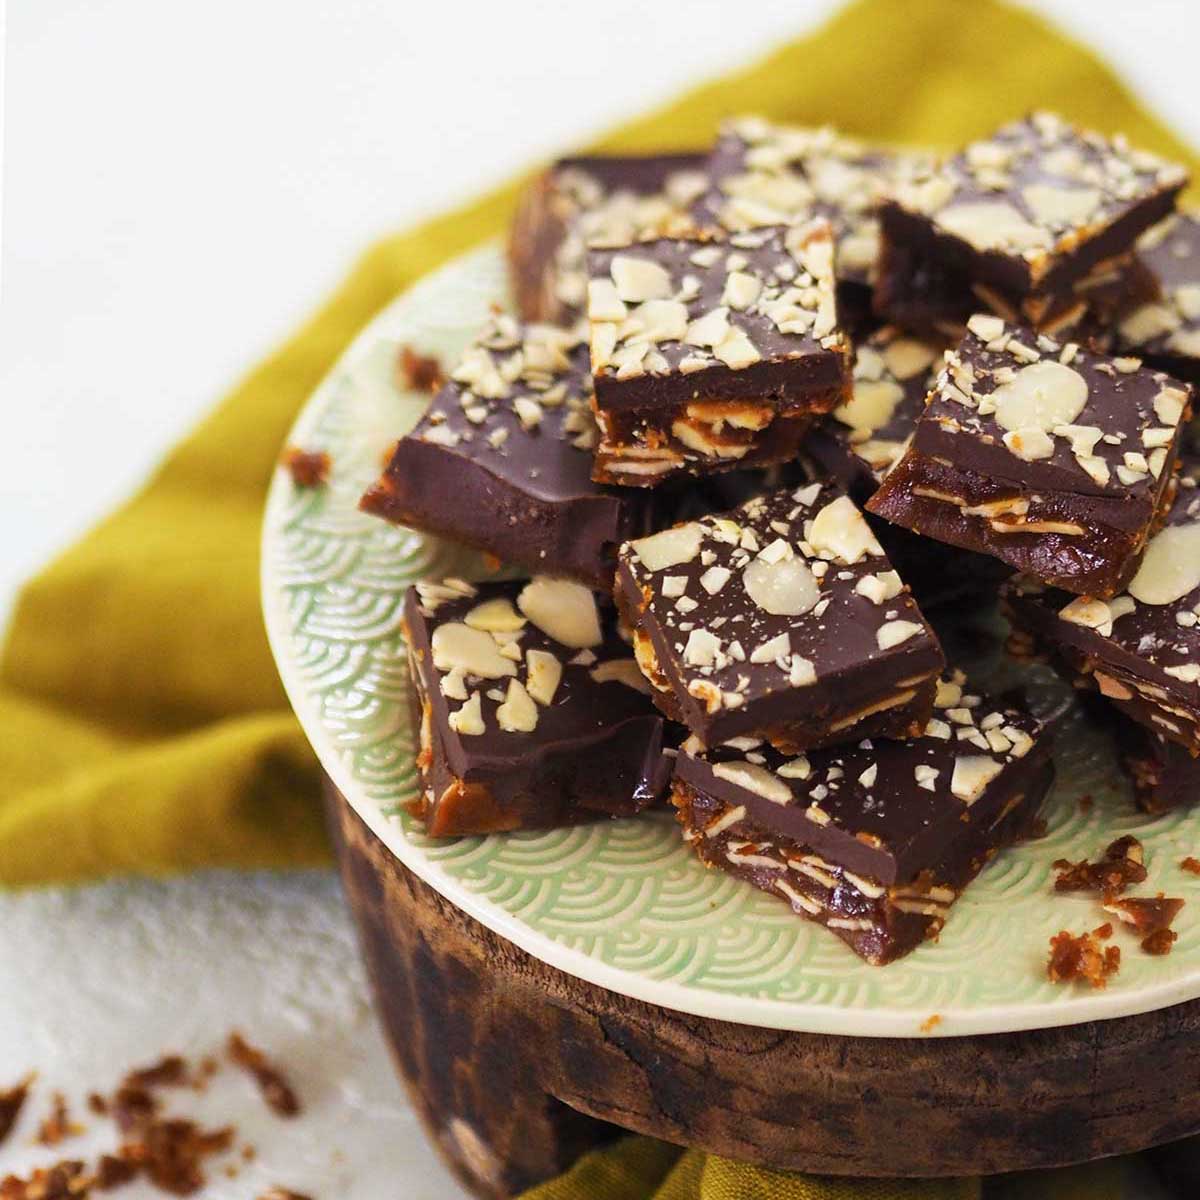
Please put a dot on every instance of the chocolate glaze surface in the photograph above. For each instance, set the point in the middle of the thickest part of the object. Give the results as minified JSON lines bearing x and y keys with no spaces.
{"x":1027,"y":212}
{"x":1166,"y":331}
{"x":709,"y":355}
{"x":611,"y":199}
{"x":881,"y":808}
{"x":1140,"y":649}
{"x":845,"y":651}
{"x":596,"y":749}
{"x":502,"y":460}
{"x":1067,"y":493}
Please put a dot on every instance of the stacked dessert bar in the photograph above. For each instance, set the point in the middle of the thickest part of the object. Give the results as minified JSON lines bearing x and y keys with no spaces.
{"x":756,"y":414}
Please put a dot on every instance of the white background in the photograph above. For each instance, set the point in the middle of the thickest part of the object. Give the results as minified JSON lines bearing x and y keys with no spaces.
{"x":182,"y":183}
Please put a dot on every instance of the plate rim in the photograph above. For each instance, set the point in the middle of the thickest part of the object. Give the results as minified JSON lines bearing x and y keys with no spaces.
{"x":1072,"y":1008}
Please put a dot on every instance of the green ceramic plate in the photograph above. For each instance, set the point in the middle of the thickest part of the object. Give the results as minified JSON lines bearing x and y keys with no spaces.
{"x":624,"y":904}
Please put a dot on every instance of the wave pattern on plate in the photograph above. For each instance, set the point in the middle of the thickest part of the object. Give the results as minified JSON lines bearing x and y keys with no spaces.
{"x":629,"y":895}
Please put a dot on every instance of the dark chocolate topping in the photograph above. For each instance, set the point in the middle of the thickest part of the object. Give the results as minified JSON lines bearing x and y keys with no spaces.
{"x":1021,"y":408}
{"x":1036,"y":191}
{"x":764,"y":174}
{"x":682,"y":306}
{"x":777,"y":601}
{"x":1170,"y":326}
{"x":565,"y":695}
{"x":884,"y":809}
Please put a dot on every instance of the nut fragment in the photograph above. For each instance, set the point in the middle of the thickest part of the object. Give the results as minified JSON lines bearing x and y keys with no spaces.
{"x":754,"y":779}
{"x":971,"y":776}
{"x":563,"y":610}
{"x":518,"y":713}
{"x":785,"y":588}
{"x":468,"y":720}
{"x":470,"y":650}
{"x":670,"y":547}
{"x":842,"y":532}
{"x":1039,"y":397}
{"x":621,"y":670}
{"x":543,"y":673}
{"x":1171,"y":566}
{"x":638,"y":279}
{"x":495,"y":616}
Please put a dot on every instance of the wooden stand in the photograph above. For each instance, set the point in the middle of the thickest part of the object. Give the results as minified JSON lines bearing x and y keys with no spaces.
{"x":517,"y":1068}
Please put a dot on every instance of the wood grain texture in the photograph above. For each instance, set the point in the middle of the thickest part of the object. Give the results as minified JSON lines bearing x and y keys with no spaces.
{"x":517,"y":1067}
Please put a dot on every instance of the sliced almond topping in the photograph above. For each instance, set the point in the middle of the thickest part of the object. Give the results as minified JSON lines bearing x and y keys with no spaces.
{"x":563,"y":610}
{"x":543,"y":672}
{"x":1171,"y":566}
{"x":468,"y":720}
{"x":971,"y":776}
{"x":669,"y":548}
{"x":754,"y":779}
{"x":741,"y":290}
{"x":495,"y":616}
{"x":1169,"y":405}
{"x":621,"y":670}
{"x":472,"y":651}
{"x":779,"y":646}
{"x":518,"y":713}
{"x":986,"y":327}
{"x":893,"y":633}
{"x":840,"y":531}
{"x":785,"y":588}
{"x":603,"y":302}
{"x":871,"y":405}
{"x":638,"y":279}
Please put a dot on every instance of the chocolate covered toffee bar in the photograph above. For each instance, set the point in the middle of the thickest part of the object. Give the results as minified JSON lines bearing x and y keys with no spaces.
{"x":1053,"y":459}
{"x":712,"y":355}
{"x":607,"y":201}
{"x":1166,"y":331}
{"x":877,"y":839}
{"x":529,"y":710}
{"x":767,"y":174}
{"x":1025,"y":222}
{"x":860,"y":441}
{"x":502,"y":460}
{"x":782,"y":618}
{"x":1140,"y":649}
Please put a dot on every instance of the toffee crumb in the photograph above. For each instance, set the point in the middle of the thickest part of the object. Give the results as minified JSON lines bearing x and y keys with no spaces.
{"x":931,"y":1022}
{"x":57,"y":1126}
{"x":1121,"y":865}
{"x":169,"y":1071}
{"x":1191,"y":865}
{"x":276,"y":1091}
{"x":418,"y":372}
{"x":1150,"y":917}
{"x":308,"y":468}
{"x":278,"y":1193}
{"x":12,"y":1101}
{"x":1080,"y":957}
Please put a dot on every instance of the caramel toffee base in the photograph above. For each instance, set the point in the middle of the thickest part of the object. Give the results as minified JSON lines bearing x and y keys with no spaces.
{"x":1060,"y":538}
{"x":642,"y":447}
{"x":617,"y":775}
{"x":880,"y":924}
{"x":851,"y":709}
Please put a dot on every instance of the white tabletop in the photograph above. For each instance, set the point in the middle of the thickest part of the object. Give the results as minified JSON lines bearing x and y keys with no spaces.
{"x":181,"y":185}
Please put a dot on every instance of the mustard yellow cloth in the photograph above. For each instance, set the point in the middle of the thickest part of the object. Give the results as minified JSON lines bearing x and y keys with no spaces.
{"x":142,"y":726}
